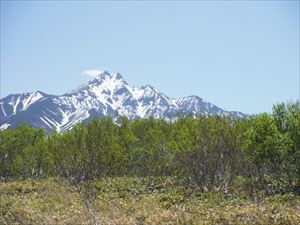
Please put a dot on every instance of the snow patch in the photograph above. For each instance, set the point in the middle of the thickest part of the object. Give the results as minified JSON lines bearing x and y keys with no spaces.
{"x":4,"y":126}
{"x":33,"y":97}
{"x":3,"y":109}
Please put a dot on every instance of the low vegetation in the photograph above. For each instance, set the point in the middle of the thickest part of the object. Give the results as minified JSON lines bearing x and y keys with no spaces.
{"x":144,"y":200}
{"x":204,"y":170}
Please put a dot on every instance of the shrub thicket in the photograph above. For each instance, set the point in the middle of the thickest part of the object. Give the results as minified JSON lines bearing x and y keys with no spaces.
{"x":205,"y":152}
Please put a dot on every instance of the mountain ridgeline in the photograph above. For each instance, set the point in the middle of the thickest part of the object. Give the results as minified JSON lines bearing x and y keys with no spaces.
{"x":105,"y":95}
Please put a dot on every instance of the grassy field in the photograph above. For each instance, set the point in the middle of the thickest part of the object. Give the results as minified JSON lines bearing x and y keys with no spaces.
{"x":136,"y":201}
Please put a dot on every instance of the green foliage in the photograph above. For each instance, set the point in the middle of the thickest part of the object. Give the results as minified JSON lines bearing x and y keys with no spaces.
{"x":265,"y":144}
{"x":289,"y":115}
{"x":23,"y":153}
{"x":206,"y":153}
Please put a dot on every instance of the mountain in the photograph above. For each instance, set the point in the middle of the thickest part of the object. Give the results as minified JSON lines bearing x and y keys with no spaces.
{"x":106,"y":94}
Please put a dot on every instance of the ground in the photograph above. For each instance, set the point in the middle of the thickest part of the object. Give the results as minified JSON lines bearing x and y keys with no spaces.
{"x":129,"y":200}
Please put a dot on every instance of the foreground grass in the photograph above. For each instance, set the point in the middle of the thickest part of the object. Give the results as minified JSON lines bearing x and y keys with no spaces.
{"x":136,"y":201}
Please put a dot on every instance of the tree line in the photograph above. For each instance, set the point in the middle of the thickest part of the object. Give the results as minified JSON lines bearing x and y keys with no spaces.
{"x":204,"y":152}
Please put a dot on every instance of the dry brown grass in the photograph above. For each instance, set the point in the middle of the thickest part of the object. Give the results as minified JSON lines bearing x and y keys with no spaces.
{"x":132,"y":201}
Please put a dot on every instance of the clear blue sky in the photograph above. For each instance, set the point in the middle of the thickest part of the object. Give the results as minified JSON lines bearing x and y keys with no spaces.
{"x":239,"y":55}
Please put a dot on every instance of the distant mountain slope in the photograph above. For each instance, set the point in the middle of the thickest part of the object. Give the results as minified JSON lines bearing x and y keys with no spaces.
{"x":107,"y":94}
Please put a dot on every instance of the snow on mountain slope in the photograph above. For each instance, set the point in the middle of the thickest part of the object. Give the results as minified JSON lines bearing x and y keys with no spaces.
{"x":106,"y":94}
{"x":195,"y":105}
{"x":18,"y":102}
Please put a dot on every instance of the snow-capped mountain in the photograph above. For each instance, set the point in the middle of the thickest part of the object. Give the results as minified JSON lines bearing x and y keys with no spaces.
{"x":106,"y":94}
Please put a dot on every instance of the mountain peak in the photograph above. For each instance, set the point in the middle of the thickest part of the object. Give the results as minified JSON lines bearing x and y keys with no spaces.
{"x":193,"y":97}
{"x":104,"y":95}
{"x":105,"y":75}
{"x":105,"y":79}
{"x":148,"y":87}
{"x":119,"y":76}
{"x":38,"y":92}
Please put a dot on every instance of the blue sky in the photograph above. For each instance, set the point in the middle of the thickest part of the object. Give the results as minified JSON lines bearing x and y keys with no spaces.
{"x":239,"y":55}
